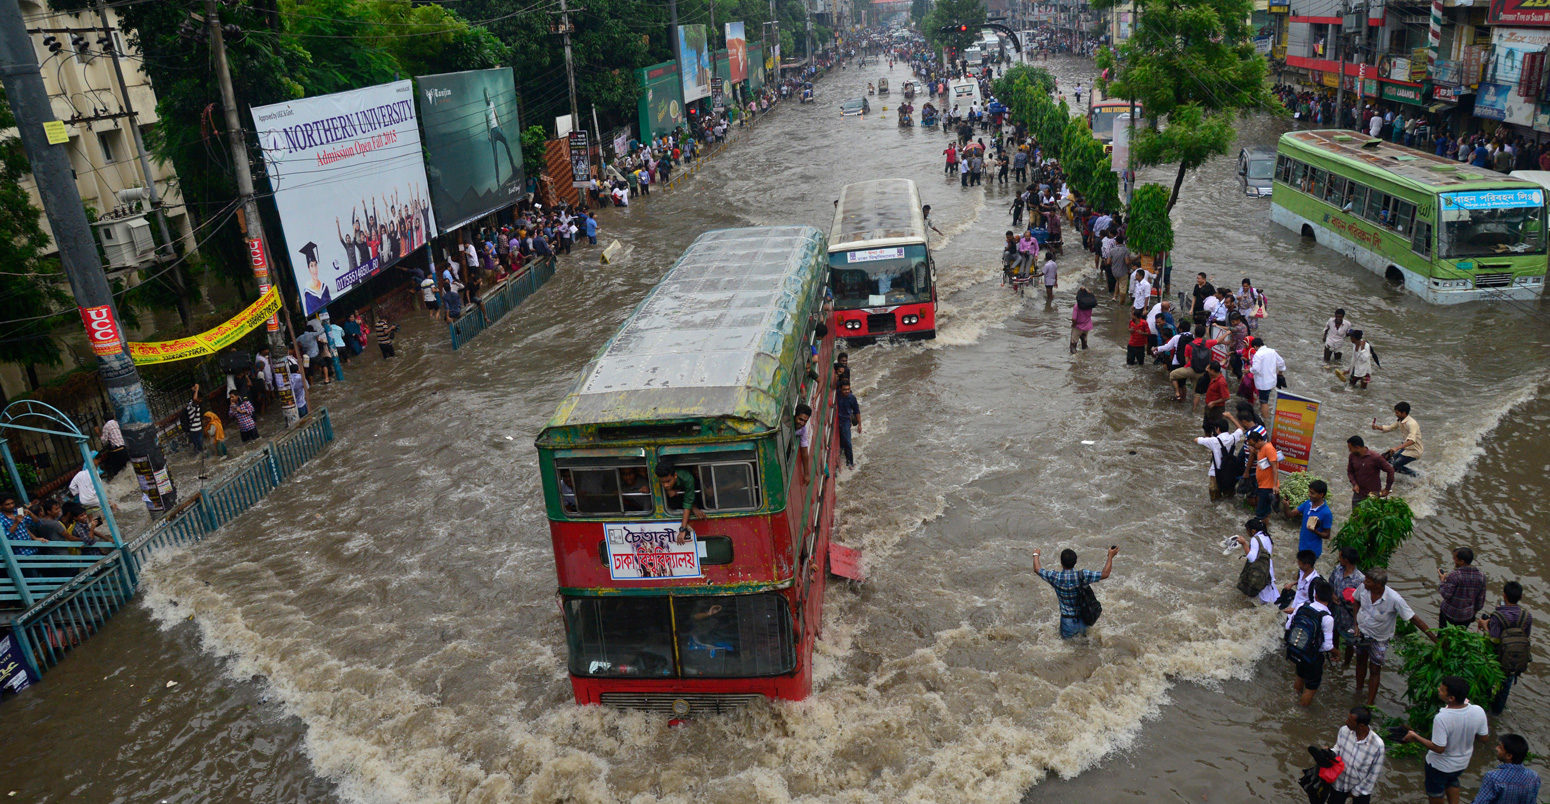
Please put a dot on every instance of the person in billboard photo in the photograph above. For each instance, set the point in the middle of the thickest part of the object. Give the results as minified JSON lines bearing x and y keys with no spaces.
{"x":493,"y":124}
{"x":314,"y":294}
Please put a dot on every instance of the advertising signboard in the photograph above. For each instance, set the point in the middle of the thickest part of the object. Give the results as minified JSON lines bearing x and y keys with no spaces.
{"x":349,"y":181}
{"x":580,"y":159}
{"x":473,"y":143}
{"x":737,"y":51}
{"x":661,"y":110}
{"x":694,"y":61}
{"x":1293,"y":425}
{"x":1521,"y":13}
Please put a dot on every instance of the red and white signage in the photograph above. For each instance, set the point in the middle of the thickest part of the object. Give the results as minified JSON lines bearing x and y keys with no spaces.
{"x":102,"y":330}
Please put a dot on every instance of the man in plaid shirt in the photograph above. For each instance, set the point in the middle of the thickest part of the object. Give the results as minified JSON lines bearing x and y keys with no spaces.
{"x":1462,"y":590}
{"x":1066,"y":582}
{"x":1362,"y":752}
{"x":1510,"y":783}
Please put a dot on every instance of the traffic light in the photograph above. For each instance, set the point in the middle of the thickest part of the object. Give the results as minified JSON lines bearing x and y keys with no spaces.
{"x":963,"y":28}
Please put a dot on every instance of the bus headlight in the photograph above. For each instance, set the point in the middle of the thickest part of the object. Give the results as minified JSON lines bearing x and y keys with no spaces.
{"x":910,"y":320}
{"x":853,"y":324}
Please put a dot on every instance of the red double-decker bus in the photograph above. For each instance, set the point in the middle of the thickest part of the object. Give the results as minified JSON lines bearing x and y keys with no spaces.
{"x":880,"y":268}
{"x":702,"y":382}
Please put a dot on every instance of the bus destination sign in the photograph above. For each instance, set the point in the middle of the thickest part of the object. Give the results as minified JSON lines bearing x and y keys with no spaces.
{"x":875,"y":254}
{"x":649,"y":550}
{"x":1494,"y":199}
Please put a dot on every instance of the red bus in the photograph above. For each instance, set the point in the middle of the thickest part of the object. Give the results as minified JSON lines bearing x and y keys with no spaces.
{"x":701,"y":381}
{"x":880,"y":267}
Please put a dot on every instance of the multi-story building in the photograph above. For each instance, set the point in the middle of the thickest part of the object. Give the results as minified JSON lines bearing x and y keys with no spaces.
{"x":76,"y":55}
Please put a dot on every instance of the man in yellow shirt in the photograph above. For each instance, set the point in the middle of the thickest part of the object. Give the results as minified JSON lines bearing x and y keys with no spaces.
{"x":1408,"y":450}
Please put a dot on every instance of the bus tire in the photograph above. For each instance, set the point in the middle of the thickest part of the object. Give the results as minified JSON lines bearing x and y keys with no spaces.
{"x":1394,"y":275}
{"x":1307,"y":231}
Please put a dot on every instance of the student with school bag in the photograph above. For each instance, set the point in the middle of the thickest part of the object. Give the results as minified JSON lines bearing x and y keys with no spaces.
{"x":1310,"y":636}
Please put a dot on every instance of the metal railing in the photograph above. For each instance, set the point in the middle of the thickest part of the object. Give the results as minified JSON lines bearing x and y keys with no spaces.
{"x":500,"y":301}
{"x":76,"y":608}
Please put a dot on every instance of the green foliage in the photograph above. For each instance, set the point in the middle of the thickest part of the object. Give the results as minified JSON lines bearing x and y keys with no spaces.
{"x":1193,"y":63}
{"x":1087,"y":167}
{"x":1151,"y":232}
{"x":533,"y":139}
{"x":1377,"y":527}
{"x":919,"y":9}
{"x":1040,"y":78}
{"x":949,"y":14}
{"x":1457,"y":651}
{"x":30,"y":284}
{"x":1294,"y":489}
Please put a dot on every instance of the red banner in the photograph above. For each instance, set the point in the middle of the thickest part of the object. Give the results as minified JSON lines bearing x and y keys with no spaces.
{"x":102,"y":330}
{"x":1519,"y":12}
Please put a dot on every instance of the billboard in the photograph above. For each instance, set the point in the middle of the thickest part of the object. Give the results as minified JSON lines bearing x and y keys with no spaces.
{"x":756,"y":64}
{"x":1295,"y":420}
{"x":473,"y":142}
{"x":737,"y":51}
{"x":661,"y":111}
{"x":349,"y":182}
{"x":580,"y":159}
{"x":694,"y":61}
{"x":1510,"y":13}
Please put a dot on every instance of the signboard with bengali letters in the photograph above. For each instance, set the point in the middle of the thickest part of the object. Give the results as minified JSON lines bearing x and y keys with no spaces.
{"x":649,"y":550}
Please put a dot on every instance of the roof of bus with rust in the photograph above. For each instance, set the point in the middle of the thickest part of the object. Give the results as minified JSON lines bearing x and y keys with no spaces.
{"x":880,"y":209}
{"x":1426,"y":171}
{"x":709,"y":340}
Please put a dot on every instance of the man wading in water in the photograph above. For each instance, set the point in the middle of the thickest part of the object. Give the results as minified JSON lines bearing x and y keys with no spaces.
{"x":1066,"y":582}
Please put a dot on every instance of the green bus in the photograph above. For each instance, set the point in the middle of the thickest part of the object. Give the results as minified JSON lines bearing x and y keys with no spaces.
{"x":1448,"y":231}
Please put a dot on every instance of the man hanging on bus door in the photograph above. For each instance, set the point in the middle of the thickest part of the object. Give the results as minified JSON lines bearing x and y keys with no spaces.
{"x":678,"y":489}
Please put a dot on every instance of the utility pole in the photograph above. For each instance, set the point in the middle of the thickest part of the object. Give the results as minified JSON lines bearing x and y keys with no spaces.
{"x":252,"y":226}
{"x":570,"y":68}
{"x":1340,"y":60}
{"x":807,"y":8}
{"x":672,"y":40}
{"x":23,"y":81}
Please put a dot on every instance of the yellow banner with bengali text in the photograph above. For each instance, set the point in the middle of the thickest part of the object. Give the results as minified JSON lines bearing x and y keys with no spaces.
{"x":210,"y":341}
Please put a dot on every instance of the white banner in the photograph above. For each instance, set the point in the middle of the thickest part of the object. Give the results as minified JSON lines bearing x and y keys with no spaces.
{"x":647,"y":550}
{"x":349,"y":181}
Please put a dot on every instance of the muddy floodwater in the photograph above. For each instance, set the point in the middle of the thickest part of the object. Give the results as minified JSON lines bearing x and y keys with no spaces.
{"x":384,"y":627}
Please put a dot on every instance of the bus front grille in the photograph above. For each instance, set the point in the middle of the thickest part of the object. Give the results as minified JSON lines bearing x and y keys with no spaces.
{"x":700,"y":703}
{"x":1499,"y":280}
{"x":881,"y":322}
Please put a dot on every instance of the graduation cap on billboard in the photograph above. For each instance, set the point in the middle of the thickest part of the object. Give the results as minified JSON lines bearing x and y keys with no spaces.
{"x":311,"y":250}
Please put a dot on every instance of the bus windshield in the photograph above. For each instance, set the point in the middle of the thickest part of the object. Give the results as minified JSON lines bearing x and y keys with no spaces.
{"x":879,"y":277}
{"x":722,"y":636}
{"x":1103,"y":120}
{"x":1490,"y":232}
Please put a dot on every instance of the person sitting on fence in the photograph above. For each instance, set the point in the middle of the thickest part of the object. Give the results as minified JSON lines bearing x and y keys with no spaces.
{"x":16,"y":523}
{"x":84,"y":490}
{"x":115,"y":455}
{"x":241,"y":412}
{"x":85,"y":529}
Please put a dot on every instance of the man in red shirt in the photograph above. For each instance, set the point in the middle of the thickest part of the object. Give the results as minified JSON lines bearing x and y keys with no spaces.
{"x":1135,"y":349}
{"x":1217,"y":393}
{"x":1363,"y":468}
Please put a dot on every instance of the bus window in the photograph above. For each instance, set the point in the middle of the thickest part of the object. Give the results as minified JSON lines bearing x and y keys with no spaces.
{"x":741,"y":635}
{"x":1355,"y":199}
{"x":1284,"y":169}
{"x":1299,"y":170}
{"x":880,"y":276}
{"x":604,"y":488}
{"x":1316,"y":186}
{"x":726,"y":481}
{"x":629,"y":637}
{"x":1335,"y":190}
{"x":1376,"y":203}
{"x":1421,"y":241}
{"x":1401,"y":216}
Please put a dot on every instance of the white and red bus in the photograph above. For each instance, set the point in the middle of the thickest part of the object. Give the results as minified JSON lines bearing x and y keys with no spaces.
{"x":701,"y":381}
{"x":880,"y":267}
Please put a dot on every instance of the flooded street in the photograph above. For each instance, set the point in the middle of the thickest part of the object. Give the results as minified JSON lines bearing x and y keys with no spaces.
{"x":384,"y":629}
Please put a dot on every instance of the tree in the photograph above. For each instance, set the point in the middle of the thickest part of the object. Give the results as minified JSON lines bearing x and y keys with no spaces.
{"x":1150,"y":230}
{"x":947,"y":17}
{"x":919,"y":9}
{"x":1193,"y":63}
{"x":29,"y":283}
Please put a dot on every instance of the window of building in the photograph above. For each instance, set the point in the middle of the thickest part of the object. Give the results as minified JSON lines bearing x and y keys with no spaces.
{"x":108,"y":141}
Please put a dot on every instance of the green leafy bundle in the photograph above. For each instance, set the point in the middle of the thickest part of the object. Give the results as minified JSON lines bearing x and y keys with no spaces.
{"x":1462,"y":652}
{"x":1151,"y":230}
{"x":1294,"y":489}
{"x":1377,"y":527}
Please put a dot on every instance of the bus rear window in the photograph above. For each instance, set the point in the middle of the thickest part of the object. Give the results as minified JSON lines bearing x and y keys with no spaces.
{"x":725,"y":481}
{"x":604,"y":487}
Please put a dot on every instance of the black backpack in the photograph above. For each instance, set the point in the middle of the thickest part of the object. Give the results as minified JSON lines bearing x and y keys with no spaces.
{"x":1513,"y":648}
{"x":1085,"y":300}
{"x":1228,"y":469}
{"x":1199,"y":356}
{"x":1305,"y":635}
{"x":1087,"y":606}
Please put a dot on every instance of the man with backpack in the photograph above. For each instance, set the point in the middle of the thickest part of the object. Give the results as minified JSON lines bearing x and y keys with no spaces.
{"x":1509,"y":627}
{"x":1310,"y":634}
{"x":1078,"y":605}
